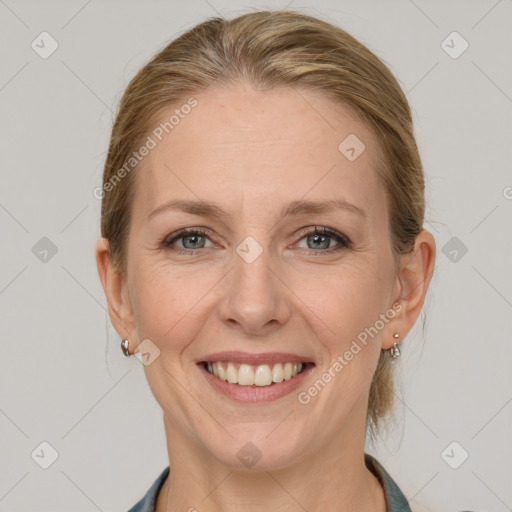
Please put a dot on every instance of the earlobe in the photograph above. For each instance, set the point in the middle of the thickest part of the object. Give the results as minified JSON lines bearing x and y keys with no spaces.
{"x":113,"y":282}
{"x":414,"y":277}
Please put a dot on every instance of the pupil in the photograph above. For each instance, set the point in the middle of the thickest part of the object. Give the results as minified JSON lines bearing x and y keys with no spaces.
{"x":320,"y":238}
{"x":193,"y":238}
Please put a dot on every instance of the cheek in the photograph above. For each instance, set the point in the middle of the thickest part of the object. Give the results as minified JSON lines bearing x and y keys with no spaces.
{"x":159,"y":301}
{"x":351,"y":298}
{"x":169,"y":302}
{"x":345,"y":309}
{"x":351,"y":305}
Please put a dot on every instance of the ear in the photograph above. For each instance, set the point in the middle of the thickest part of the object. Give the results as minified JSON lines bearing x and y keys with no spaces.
{"x":116,"y":292}
{"x":413,"y":279}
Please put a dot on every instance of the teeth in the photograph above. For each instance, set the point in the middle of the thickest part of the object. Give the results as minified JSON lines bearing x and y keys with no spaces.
{"x":263,"y":375}
{"x":248,"y":375}
{"x":277,"y":373}
{"x":221,"y":372}
{"x":245,"y":375}
{"x":288,"y":370}
{"x":231,"y":374}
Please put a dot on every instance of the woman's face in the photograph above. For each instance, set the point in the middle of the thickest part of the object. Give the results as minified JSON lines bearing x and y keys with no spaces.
{"x":257,"y":286}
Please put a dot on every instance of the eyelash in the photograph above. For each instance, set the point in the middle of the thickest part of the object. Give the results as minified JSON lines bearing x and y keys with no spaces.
{"x":343,"y":241}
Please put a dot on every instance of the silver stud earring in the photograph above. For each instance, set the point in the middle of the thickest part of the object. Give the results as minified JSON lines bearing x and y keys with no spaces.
{"x":395,"y":349}
{"x":125,"y":348}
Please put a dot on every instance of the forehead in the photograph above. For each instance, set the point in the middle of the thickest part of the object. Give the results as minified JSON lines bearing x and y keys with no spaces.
{"x":267,"y":147}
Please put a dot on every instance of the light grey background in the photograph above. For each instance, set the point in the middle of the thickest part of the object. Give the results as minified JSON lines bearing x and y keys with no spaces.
{"x":63,"y":378}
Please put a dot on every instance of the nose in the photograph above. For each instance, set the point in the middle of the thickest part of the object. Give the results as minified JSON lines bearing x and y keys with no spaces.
{"x":255,"y":298}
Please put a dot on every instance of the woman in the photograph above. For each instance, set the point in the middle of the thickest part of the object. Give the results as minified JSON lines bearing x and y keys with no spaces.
{"x":262,"y":253}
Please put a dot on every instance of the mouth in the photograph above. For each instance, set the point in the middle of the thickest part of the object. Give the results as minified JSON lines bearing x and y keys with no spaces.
{"x":257,"y":375}
{"x":251,"y":378}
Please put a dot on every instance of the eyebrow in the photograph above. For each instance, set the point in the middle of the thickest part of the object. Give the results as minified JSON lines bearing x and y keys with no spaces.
{"x":299,"y":207}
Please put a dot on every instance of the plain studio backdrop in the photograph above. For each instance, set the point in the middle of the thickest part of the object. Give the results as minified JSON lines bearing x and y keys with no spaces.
{"x":66,"y":390}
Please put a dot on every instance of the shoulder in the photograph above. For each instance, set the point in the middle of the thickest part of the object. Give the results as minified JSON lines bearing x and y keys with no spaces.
{"x":148,"y":502}
{"x":394,"y":496}
{"x":395,"y":499}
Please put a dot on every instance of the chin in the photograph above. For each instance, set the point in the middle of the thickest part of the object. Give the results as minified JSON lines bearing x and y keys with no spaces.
{"x":258,"y":448}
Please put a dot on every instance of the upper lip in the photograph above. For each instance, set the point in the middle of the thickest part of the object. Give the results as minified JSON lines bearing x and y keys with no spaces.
{"x":254,"y":359}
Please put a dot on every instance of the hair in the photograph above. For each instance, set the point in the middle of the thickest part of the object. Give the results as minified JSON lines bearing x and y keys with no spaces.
{"x":273,"y":49}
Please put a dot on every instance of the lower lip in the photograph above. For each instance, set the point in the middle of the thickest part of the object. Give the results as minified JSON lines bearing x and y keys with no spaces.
{"x":248,"y":394}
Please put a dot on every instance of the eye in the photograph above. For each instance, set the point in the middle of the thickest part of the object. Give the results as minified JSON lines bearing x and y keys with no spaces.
{"x":318,"y":240}
{"x":191,"y":240}
{"x":321,"y":238}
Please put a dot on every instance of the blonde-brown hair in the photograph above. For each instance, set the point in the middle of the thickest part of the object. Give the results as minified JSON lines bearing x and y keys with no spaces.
{"x":271,"y":49}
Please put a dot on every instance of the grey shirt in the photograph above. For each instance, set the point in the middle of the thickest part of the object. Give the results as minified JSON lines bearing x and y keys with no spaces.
{"x":395,"y":499}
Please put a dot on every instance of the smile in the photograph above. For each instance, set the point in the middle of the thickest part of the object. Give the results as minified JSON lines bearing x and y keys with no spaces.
{"x":254,"y":375}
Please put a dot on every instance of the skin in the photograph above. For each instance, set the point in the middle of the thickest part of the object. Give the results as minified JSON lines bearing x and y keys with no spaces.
{"x":252,"y":153}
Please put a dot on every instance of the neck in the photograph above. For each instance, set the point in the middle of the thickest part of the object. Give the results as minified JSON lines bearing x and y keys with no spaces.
{"x":335,"y":478}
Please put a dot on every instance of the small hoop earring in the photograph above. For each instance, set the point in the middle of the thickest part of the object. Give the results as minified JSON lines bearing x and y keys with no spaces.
{"x":125,"y":348}
{"x":395,"y":349}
